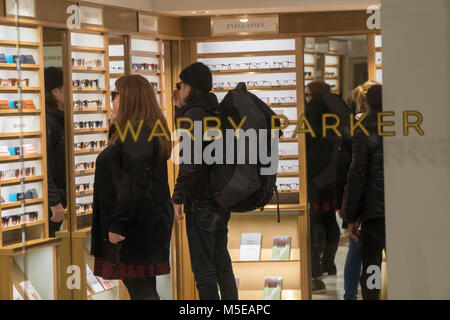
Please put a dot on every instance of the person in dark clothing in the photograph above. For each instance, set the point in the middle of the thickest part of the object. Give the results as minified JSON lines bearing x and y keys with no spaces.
{"x":206,"y":222}
{"x":56,"y":148}
{"x":132,"y":208}
{"x":324,"y":161}
{"x":365,"y":192}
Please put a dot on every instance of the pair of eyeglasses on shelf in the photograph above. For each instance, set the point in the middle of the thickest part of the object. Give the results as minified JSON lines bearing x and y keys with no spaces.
{"x":277,"y":83}
{"x":308,"y":74}
{"x":12,"y":82}
{"x":293,"y":168}
{"x":251,"y":65}
{"x":86,"y":83}
{"x":17,"y":219}
{"x":82,"y":187}
{"x":23,"y":59}
{"x":154,"y":85}
{"x":288,"y":133}
{"x":20,"y":196}
{"x":88,"y":124}
{"x":85,"y":165}
{"x":145,"y":66}
{"x":288,"y":186}
{"x":332,"y":86}
{"x":85,"y":103}
{"x":116,"y":69}
{"x":18,"y":173}
{"x":79,"y":62}
{"x":278,"y":100}
{"x":83,"y":207}
{"x":330,"y":74}
{"x":91,"y":144}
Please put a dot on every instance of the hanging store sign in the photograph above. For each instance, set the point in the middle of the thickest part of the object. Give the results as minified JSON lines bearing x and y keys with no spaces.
{"x":23,"y":8}
{"x":244,"y":25}
{"x":147,"y":23}
{"x":91,"y":15}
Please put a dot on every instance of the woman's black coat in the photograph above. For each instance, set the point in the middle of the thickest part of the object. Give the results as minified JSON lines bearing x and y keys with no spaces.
{"x":132,"y":198}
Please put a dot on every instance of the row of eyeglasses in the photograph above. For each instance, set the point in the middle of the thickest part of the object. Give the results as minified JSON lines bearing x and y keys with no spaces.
{"x":251,"y":65}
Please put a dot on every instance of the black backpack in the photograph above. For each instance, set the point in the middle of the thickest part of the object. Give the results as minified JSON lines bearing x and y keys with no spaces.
{"x":242,"y":187}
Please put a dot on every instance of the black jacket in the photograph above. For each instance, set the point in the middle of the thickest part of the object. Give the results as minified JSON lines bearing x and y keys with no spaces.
{"x":132,"y":198}
{"x":365,"y":189}
{"x":56,"y":159}
{"x":193,"y":182}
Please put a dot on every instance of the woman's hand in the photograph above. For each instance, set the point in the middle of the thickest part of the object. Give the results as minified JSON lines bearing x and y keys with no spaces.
{"x":353,"y":231}
{"x":115,"y":238}
{"x":176,"y":98}
{"x":177,"y":211}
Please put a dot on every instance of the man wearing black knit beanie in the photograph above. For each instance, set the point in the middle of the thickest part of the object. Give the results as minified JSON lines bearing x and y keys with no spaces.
{"x":206,"y":223}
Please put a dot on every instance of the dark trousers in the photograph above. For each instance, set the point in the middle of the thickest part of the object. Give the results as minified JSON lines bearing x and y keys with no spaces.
{"x":207,"y":232}
{"x":373,"y":242}
{"x":325,"y":234}
{"x":142,"y":288}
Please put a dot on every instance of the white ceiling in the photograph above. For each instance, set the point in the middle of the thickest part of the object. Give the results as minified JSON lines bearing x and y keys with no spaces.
{"x":221,"y":7}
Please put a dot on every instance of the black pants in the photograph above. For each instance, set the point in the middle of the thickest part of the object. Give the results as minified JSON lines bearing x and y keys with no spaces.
{"x":207,"y":232}
{"x":325,"y":234}
{"x":373,"y":243}
{"x":142,"y":289}
{"x":52,"y":226}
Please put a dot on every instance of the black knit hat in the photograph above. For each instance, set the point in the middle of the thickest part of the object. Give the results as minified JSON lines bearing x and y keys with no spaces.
{"x":53,"y":78}
{"x":198,"y":76}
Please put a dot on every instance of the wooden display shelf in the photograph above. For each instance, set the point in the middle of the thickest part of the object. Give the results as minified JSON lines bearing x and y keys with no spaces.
{"x":309,"y":64}
{"x":83,"y":173}
{"x":88,"y":70}
{"x":87,"y":213}
{"x":332,"y":65}
{"x":23,"y":66}
{"x":246,"y":54}
{"x":379,"y":66}
{"x":331,"y":78}
{"x":90,"y":110}
{"x":259,"y":294}
{"x":147,"y":54}
{"x":266,"y":256}
{"x":261,"y":88}
{"x":282,"y":105}
{"x":16,"y":88}
{"x":254,"y":71}
{"x":88,"y":151}
{"x":15,"y":112}
{"x":288,"y":140}
{"x":146,"y":73}
{"x":289,"y":157}
{"x":19,"y":43}
{"x":12,"y":182}
{"x":19,"y":248}
{"x":18,"y":204}
{"x":116,"y":58}
{"x":17,"y":158}
{"x":90,"y":131}
{"x":116,"y":75}
{"x":27,"y":225}
{"x":288,"y":174}
{"x":88,"y":90}
{"x":309,"y":78}
{"x":88,"y":49}
{"x":82,"y":194}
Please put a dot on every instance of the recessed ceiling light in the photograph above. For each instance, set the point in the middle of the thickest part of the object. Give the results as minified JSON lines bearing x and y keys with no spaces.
{"x":243,"y":20}
{"x":194,"y":12}
{"x":207,"y":11}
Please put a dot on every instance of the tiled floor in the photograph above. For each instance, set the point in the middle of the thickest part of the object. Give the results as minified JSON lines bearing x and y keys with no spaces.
{"x":335,"y":284}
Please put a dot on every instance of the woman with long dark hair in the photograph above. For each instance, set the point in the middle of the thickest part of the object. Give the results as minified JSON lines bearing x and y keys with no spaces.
{"x":132,"y":211}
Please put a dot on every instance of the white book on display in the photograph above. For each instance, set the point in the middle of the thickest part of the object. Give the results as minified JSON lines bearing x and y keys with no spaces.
{"x":16,"y":294}
{"x":272,"y":288}
{"x":250,"y":247}
{"x":92,"y":281}
{"x":106,"y":283}
{"x":29,"y":290}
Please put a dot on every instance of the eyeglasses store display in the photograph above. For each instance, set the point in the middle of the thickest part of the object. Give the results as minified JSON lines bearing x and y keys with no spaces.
{"x":270,"y":70}
{"x":146,"y":59}
{"x":90,"y":115}
{"x":23,"y":181}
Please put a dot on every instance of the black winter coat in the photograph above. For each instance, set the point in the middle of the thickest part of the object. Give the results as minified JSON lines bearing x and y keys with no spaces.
{"x":365,"y":189}
{"x":56,"y":159}
{"x":193,"y":182}
{"x":132,"y":198}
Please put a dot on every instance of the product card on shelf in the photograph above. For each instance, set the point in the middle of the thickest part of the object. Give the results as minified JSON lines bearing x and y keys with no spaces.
{"x":29,"y":290}
{"x":281,"y":248}
{"x":16,"y":294}
{"x":250,"y":246}
{"x":92,"y":281}
{"x":106,"y":283}
{"x":272,"y":288}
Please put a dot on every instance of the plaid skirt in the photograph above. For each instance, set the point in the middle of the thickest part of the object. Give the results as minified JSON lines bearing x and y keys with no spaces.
{"x":121,"y":271}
